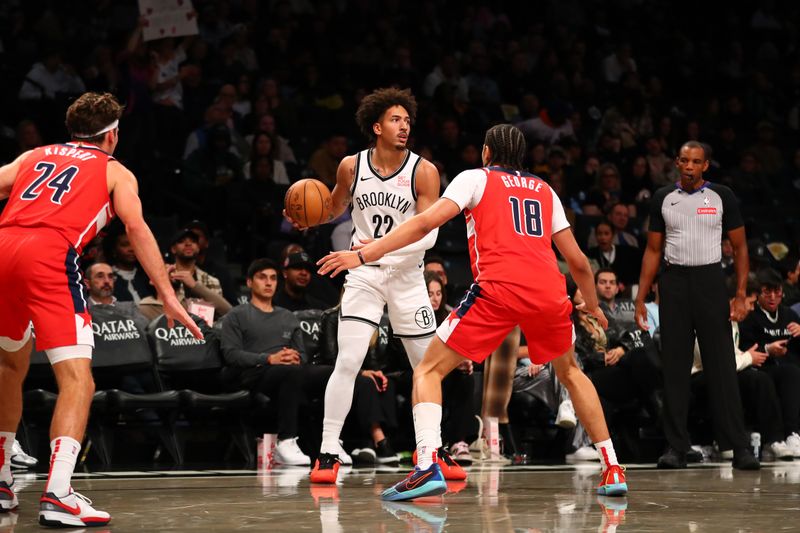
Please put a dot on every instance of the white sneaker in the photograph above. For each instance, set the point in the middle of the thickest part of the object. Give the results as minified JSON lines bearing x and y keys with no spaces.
{"x":460,"y":452}
{"x":287,"y":452}
{"x":8,"y":498}
{"x":344,"y":457}
{"x":479,"y":450}
{"x":20,"y":459}
{"x":585,"y":453}
{"x":71,"y":510}
{"x":793,"y":442}
{"x":780,"y":451}
{"x":566,"y":415}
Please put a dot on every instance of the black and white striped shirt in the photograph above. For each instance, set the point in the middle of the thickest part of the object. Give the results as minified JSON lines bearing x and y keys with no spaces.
{"x":693,"y":222}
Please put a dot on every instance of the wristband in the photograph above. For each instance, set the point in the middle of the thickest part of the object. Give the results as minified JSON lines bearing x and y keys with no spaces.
{"x":361,"y":257}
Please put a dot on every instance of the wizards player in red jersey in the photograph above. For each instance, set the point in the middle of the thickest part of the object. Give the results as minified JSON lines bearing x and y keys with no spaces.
{"x":59,"y":197}
{"x":512,"y":219}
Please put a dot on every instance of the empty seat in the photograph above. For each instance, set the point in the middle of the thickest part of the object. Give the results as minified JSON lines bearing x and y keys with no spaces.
{"x":194,"y":367}
{"x":124,"y":370}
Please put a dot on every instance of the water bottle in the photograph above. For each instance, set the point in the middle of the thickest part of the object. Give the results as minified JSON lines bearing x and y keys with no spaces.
{"x":755,"y":443}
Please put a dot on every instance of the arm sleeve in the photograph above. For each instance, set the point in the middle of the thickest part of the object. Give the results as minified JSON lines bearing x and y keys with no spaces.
{"x":232,"y":343}
{"x":421,"y":245}
{"x":656,"y":218}
{"x":466,"y":189}
{"x":559,"y":217}
{"x":731,"y":215}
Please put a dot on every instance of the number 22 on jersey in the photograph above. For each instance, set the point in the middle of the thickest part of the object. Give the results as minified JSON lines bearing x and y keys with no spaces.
{"x":60,"y":183}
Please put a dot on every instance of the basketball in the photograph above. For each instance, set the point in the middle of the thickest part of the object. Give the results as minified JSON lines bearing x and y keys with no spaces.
{"x":308,"y":202}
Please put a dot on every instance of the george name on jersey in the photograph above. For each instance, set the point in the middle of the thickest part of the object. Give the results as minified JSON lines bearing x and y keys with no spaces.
{"x":522,"y":182}
{"x":69,"y":151}
{"x":382,"y":199}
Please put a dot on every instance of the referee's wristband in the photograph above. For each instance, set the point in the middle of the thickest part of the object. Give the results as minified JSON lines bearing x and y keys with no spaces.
{"x":361,"y":257}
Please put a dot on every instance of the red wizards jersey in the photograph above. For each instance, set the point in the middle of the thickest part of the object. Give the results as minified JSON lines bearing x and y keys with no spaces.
{"x":511,"y":217}
{"x":61,"y":187}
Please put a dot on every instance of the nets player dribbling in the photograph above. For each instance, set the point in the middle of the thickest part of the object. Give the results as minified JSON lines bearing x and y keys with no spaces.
{"x":59,"y":197}
{"x":385,"y":186}
{"x":512,"y":218}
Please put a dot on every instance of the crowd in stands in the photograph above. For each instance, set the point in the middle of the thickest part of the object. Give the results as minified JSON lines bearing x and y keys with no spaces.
{"x":218,"y":125}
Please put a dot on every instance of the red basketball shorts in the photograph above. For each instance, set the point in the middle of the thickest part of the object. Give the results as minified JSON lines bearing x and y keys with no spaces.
{"x":41,"y":282}
{"x":488,"y":312}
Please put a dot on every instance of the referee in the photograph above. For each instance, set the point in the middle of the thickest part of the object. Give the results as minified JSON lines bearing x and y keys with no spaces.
{"x":686,"y":224}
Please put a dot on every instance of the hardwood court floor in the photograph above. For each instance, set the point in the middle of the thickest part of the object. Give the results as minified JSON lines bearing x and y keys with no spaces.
{"x":550,"y":498}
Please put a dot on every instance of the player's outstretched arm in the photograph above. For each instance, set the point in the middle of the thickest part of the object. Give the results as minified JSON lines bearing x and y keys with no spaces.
{"x":581,"y":272}
{"x":8,"y":174}
{"x":409,"y":231}
{"x":125,"y":194}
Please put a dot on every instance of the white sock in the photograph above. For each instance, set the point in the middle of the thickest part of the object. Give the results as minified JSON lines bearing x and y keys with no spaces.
{"x":427,"y":427}
{"x":353,"y":338}
{"x":607,"y":454}
{"x":6,"y":442}
{"x":331,"y":429}
{"x":64,"y":455}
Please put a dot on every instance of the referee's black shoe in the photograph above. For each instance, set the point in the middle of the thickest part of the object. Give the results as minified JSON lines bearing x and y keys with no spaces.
{"x":743,"y":459}
{"x":672,"y":459}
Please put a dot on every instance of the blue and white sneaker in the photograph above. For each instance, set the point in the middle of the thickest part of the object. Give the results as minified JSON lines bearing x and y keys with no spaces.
{"x":417,"y":484}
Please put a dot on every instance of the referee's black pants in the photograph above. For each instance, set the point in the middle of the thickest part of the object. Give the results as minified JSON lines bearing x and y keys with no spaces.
{"x":694,"y":301}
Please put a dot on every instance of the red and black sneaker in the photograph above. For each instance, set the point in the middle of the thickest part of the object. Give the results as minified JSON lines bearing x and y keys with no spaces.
{"x":326,"y":468}
{"x":450,"y":468}
{"x":71,"y":510}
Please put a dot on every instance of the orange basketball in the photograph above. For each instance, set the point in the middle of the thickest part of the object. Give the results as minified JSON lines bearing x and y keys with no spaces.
{"x":308,"y":202}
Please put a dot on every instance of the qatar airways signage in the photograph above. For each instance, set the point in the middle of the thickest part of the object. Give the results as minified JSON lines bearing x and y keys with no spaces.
{"x":177,"y":336}
{"x":116,"y":330}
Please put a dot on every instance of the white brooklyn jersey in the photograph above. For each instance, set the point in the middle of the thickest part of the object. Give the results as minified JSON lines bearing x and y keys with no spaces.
{"x":380,"y":204}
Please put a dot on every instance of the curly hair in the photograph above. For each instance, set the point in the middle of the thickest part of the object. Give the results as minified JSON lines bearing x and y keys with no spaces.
{"x":507,"y":145}
{"x":374,"y":105}
{"x":92,"y":112}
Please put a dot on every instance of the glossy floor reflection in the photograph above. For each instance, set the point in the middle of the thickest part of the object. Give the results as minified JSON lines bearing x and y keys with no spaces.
{"x":518,"y":499}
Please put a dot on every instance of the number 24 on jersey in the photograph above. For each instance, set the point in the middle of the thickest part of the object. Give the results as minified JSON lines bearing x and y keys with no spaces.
{"x":60,"y":184}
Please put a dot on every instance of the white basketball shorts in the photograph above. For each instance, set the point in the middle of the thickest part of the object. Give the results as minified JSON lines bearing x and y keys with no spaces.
{"x":402,"y":289}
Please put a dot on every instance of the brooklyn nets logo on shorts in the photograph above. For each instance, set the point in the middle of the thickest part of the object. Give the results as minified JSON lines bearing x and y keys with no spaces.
{"x":424,"y":317}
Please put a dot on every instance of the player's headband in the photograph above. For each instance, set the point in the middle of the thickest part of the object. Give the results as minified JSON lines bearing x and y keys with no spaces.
{"x":110,"y":127}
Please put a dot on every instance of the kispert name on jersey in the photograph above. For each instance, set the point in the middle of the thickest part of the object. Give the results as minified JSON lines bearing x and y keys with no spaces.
{"x":62,"y":187}
{"x":381,"y":203}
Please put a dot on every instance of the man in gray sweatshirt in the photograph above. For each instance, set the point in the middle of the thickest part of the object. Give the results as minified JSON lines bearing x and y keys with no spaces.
{"x":263,"y":350}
